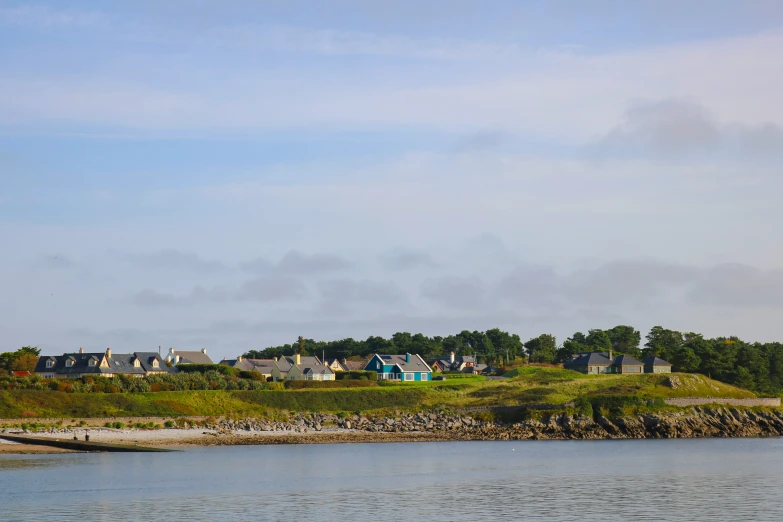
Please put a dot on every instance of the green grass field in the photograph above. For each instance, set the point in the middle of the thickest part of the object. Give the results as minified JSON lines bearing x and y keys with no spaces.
{"x":527,"y":385}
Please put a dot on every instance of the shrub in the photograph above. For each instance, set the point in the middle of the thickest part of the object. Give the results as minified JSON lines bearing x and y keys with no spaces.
{"x":357,"y":375}
{"x":118,"y":425}
{"x":168,"y":424}
{"x":583,"y":406}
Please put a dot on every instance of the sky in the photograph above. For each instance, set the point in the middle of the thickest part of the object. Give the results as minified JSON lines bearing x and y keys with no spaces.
{"x":234,"y":174}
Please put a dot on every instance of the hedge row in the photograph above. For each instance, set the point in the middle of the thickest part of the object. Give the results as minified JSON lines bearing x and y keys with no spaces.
{"x":298,"y":385}
{"x":205,"y":368}
{"x":211,"y":380}
{"x":357,"y":375}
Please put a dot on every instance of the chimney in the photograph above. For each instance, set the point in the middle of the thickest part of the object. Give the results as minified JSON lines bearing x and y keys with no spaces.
{"x":297,"y":359}
{"x":203,"y":350}
{"x":407,"y":357}
{"x":274,"y":359}
{"x":108,"y":353}
{"x":81,"y":350}
{"x":452,"y":357}
{"x":239,"y":358}
{"x":610,"y":355}
{"x":345,"y":361}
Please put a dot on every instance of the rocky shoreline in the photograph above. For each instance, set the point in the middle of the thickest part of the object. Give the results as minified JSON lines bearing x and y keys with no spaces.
{"x":693,"y":423}
{"x":697,"y":422}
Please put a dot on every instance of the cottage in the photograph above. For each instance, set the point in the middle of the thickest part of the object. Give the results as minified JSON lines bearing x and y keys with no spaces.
{"x":454,"y":363}
{"x":108,"y":364}
{"x":603,"y":362}
{"x":301,"y":368}
{"x":400,"y":367}
{"x":656,"y":365}
{"x":240,"y":363}
{"x":176,"y":357}
{"x":336,"y":365}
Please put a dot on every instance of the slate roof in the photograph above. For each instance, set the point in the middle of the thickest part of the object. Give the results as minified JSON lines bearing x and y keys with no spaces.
{"x":355,"y":365}
{"x":263,"y":365}
{"x":656,"y":361}
{"x":459,"y":360}
{"x":193,"y":357}
{"x":625,"y":360}
{"x":590,"y":359}
{"x":117,"y":363}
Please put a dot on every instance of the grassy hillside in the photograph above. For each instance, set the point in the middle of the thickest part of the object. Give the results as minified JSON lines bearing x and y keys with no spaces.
{"x":527,"y":385}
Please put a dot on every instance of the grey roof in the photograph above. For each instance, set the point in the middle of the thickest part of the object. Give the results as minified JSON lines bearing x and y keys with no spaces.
{"x":239,"y":364}
{"x":263,"y":365}
{"x":416,"y":363}
{"x":589,"y":359}
{"x":656,"y":361}
{"x":117,"y":363}
{"x":307,"y":364}
{"x":355,"y":365}
{"x":625,"y":360}
{"x":193,"y":357}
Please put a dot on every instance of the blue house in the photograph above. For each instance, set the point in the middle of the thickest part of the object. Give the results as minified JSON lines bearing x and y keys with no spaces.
{"x":400,"y":367}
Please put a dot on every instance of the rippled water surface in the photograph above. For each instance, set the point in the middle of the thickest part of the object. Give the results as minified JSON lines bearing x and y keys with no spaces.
{"x":716,"y":480}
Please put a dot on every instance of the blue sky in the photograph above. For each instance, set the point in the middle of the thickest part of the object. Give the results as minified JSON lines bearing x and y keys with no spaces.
{"x":234,"y":174}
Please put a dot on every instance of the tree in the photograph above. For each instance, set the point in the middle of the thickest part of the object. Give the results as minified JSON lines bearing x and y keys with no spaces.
{"x":575,"y":344}
{"x":625,"y":339}
{"x":25,"y":362}
{"x":662,"y":343}
{"x":542,"y":349}
{"x":598,"y":340}
{"x":8,"y":359}
{"x":685,"y":360}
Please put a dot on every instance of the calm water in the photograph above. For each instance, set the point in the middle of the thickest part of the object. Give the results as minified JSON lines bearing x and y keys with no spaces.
{"x":719,"y":479}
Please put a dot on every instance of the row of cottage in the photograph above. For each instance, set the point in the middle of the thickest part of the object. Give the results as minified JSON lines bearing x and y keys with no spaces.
{"x":404,"y":367}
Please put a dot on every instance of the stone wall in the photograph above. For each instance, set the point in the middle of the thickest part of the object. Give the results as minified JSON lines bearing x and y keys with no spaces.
{"x":703,"y":401}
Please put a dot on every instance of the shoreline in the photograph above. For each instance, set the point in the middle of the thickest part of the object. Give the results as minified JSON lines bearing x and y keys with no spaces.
{"x":698,"y":422}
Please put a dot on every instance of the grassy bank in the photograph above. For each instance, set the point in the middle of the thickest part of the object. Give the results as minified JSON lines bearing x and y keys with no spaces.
{"x":528,"y":385}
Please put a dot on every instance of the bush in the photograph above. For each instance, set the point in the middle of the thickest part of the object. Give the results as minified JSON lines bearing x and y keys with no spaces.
{"x":168,"y":424}
{"x":356,"y":375}
{"x":298,"y":385}
{"x":583,"y":406}
{"x":205,"y":368}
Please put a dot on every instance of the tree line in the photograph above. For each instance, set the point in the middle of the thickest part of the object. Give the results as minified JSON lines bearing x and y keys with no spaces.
{"x":492,"y":346}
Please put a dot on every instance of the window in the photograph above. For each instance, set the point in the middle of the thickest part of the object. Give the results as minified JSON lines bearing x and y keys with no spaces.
{"x":49,"y":363}
{"x":155,"y":363}
{"x":69,"y":363}
{"x":378,"y":365}
{"x":92,"y":362}
{"x":136,"y":363}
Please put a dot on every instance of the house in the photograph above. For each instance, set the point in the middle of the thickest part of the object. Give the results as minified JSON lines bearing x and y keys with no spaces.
{"x":603,"y":362}
{"x":104,"y":364}
{"x":240,"y":363}
{"x":656,"y":365}
{"x":301,"y":368}
{"x":176,"y":357}
{"x":336,"y":365}
{"x":453,"y":363}
{"x":400,"y":367}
